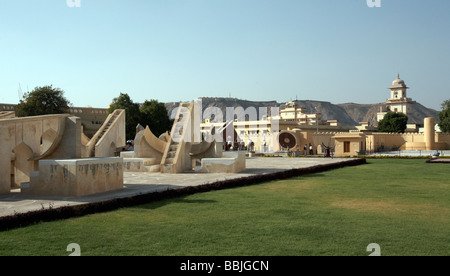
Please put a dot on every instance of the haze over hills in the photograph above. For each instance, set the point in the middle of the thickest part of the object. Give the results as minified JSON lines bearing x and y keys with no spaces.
{"x":348,"y":114}
{"x":368,"y":112}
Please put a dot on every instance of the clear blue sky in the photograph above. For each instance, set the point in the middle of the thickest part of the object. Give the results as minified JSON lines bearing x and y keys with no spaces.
{"x":171,"y":50}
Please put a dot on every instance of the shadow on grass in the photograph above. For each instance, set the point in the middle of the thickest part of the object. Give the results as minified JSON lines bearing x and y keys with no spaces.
{"x":306,"y":177}
{"x":315,"y":175}
{"x":180,"y":200}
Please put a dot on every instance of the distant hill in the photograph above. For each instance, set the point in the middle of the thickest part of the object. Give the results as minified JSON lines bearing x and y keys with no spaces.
{"x":348,"y":114}
{"x":368,"y":112}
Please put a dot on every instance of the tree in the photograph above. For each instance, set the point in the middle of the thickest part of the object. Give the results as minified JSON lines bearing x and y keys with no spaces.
{"x":155,"y":115}
{"x":394,"y":122}
{"x":444,"y":117}
{"x":132,"y":113}
{"x":42,"y":101}
{"x":151,"y":113}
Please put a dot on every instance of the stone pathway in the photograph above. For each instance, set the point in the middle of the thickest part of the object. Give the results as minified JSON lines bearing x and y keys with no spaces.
{"x":142,"y":183}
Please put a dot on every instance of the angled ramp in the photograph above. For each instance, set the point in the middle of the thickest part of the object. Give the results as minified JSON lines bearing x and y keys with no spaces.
{"x":110,"y":136}
{"x":176,"y":157}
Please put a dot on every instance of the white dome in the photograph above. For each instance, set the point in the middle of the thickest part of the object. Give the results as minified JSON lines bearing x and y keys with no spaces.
{"x":397,"y":83}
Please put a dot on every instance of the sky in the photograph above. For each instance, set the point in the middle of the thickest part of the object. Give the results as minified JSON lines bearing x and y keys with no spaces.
{"x":338,"y":51}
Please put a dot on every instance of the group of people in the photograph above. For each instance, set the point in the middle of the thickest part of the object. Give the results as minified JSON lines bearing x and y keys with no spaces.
{"x":306,"y":150}
{"x":229,"y":145}
{"x":311,"y":149}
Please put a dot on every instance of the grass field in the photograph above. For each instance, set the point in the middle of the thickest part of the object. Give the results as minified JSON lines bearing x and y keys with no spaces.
{"x":402,"y":205}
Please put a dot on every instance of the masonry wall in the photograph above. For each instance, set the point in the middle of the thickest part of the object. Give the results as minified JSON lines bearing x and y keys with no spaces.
{"x":406,"y":141}
{"x":76,"y":177}
{"x":91,"y":118}
{"x":24,"y":141}
{"x":443,"y":139}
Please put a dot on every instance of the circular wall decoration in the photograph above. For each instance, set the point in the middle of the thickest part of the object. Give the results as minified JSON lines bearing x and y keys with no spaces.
{"x":287,"y":140}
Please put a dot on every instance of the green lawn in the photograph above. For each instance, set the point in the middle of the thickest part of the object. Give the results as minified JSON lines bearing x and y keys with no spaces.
{"x":402,"y":205}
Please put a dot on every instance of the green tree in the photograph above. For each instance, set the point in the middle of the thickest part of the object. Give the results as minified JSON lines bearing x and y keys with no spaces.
{"x":155,"y":115}
{"x":394,"y":122}
{"x":151,"y":113}
{"x":42,"y":101}
{"x":132,"y":116}
{"x":444,"y":117}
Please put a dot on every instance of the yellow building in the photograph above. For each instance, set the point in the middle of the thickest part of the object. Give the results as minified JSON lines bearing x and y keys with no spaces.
{"x":280,"y":133}
{"x":294,"y":113}
{"x":290,"y":128}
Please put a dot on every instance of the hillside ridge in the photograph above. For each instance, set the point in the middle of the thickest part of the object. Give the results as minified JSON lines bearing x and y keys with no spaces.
{"x":348,"y":114}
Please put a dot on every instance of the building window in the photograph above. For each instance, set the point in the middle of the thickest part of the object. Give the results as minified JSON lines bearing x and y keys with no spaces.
{"x":346,"y":146}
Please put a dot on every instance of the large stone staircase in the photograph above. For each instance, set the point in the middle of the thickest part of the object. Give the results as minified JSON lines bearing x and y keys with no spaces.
{"x":104,"y":129}
{"x":176,"y":155}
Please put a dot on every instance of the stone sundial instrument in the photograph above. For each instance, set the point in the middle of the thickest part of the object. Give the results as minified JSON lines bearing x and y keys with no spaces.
{"x":328,"y":150}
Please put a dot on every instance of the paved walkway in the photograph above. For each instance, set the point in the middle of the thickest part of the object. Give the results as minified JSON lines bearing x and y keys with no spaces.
{"x":142,"y":183}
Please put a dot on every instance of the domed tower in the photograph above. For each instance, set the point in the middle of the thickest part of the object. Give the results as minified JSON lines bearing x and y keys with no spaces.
{"x":398,"y":102}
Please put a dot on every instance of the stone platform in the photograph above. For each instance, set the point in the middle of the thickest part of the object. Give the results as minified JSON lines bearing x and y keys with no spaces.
{"x":439,"y":160}
{"x":138,"y":183}
{"x":75,"y":177}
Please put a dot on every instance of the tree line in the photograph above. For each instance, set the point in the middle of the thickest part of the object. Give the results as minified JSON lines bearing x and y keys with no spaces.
{"x":48,"y":100}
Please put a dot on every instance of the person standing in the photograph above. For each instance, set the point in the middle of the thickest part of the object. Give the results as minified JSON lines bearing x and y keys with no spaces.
{"x":230,"y":145}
